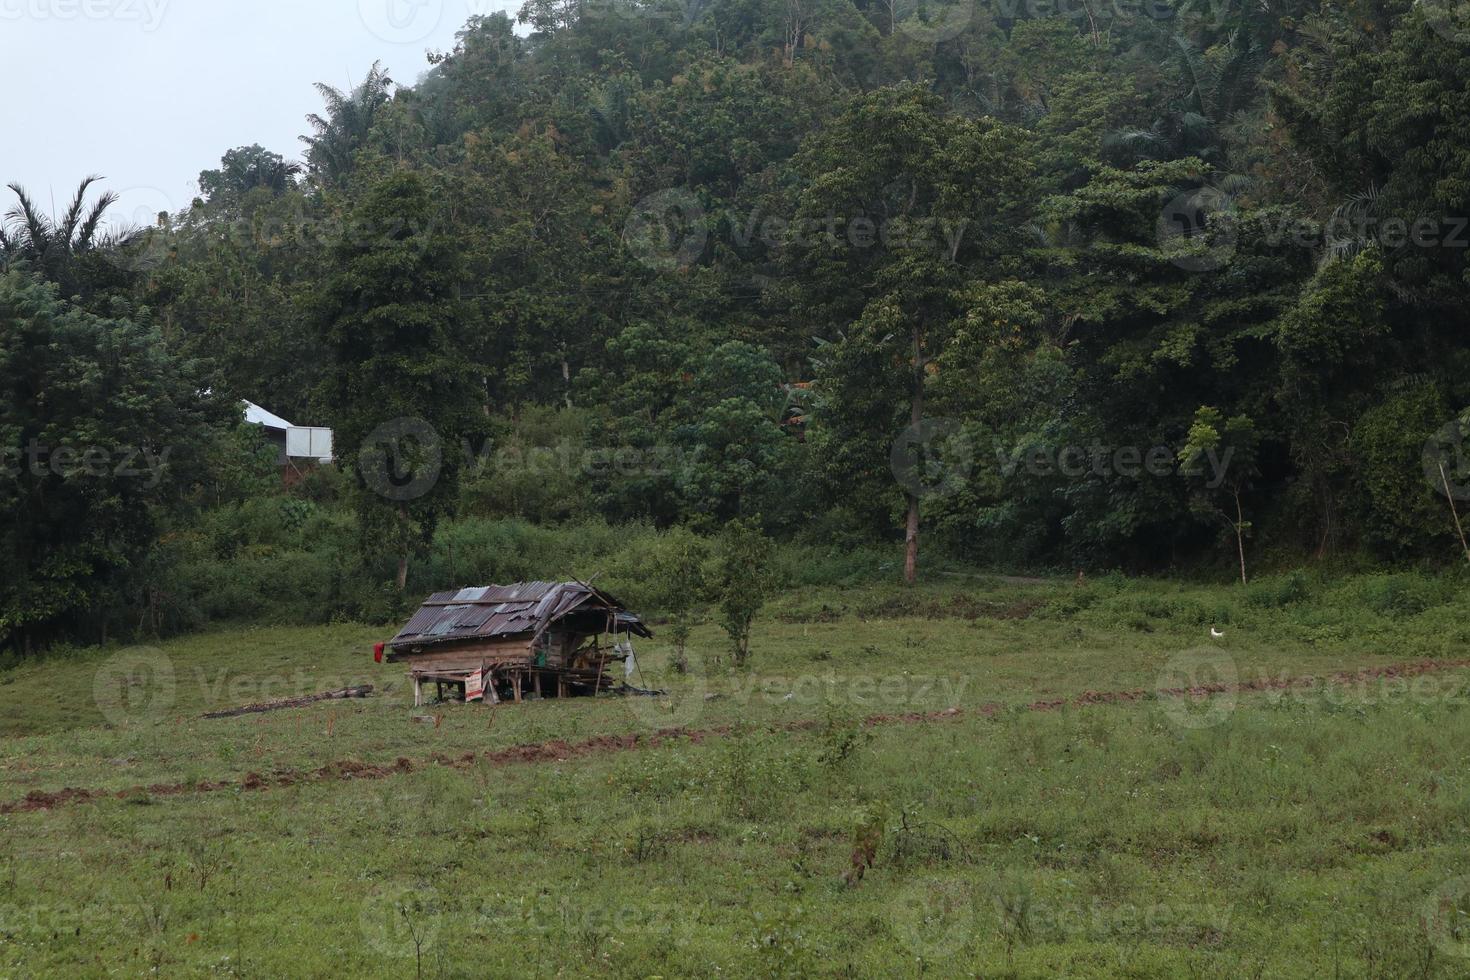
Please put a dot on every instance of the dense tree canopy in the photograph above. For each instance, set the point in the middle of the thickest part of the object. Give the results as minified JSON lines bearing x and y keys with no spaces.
{"x":104,"y":432}
{"x":837,"y":268}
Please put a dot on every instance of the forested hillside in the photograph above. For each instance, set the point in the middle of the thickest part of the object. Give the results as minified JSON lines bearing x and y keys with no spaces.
{"x":1138,"y":285}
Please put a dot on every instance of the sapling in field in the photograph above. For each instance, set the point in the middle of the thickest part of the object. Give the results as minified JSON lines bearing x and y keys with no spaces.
{"x":742,"y":580}
{"x":1219,"y":461}
{"x":678,"y":573}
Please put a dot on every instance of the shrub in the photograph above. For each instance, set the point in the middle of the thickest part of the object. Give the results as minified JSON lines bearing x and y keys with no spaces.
{"x":741,"y":579}
{"x":1398,"y":595}
{"x":755,"y":772}
{"x":1278,"y":592}
{"x":1404,"y":514}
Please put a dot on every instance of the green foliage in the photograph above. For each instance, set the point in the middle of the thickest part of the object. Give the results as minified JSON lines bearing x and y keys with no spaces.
{"x":534,"y":467}
{"x":756,"y":774}
{"x":105,"y":436}
{"x":1010,"y":842}
{"x":349,"y":118}
{"x":842,"y":737}
{"x":675,"y":584}
{"x":667,"y":265}
{"x":921,"y":210}
{"x":1278,"y":592}
{"x":1404,"y":513}
{"x":1021,"y":279}
{"x":1219,"y":458}
{"x":74,"y":250}
{"x":741,"y":582}
{"x":245,"y":169}
{"x":1401,"y":595}
{"x":402,"y":397}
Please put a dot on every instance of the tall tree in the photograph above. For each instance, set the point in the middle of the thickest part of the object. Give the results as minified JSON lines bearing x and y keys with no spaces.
{"x":402,"y":396}
{"x":247,"y":168}
{"x":103,"y":431}
{"x":338,"y":135}
{"x":65,"y":250}
{"x":904,"y":208}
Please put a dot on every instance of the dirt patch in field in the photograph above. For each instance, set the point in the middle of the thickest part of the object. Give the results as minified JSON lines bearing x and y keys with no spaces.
{"x":38,"y":799}
{"x":561,"y":750}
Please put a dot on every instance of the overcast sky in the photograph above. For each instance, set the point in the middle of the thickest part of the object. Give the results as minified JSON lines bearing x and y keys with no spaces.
{"x":150,"y":92}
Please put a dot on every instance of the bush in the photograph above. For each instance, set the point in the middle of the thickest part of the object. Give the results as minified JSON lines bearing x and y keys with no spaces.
{"x":741,"y":579}
{"x":755,"y":772}
{"x":535,"y":469}
{"x":1400,"y":595}
{"x":1278,"y":592}
{"x":1404,"y":515}
{"x":1142,"y":612}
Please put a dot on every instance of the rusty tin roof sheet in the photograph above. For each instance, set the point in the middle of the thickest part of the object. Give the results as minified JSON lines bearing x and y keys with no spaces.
{"x":526,"y":608}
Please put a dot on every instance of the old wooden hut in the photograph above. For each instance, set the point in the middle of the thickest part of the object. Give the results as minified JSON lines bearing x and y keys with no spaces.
{"x":551,"y":639}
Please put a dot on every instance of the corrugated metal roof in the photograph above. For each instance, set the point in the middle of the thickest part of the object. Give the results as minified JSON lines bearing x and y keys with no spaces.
{"x":491,"y":611}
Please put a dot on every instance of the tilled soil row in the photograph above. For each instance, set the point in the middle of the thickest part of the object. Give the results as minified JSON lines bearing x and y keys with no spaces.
{"x":560,"y":750}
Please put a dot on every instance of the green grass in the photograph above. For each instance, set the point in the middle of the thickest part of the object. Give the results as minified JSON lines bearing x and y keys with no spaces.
{"x":1310,"y":832}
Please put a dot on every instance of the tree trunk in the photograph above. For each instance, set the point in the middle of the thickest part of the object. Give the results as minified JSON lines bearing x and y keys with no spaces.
{"x":403,"y":546}
{"x":1450,"y":496}
{"x":1240,"y":537}
{"x":916,"y":416}
{"x":911,"y":543}
{"x":360,"y":691}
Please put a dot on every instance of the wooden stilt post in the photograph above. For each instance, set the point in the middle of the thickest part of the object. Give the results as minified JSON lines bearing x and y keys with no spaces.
{"x":418,"y":691}
{"x":515,"y":683}
{"x":536,"y":683}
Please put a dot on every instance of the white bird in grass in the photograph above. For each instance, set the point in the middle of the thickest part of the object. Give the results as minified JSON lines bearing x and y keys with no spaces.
{"x":1216,"y":633}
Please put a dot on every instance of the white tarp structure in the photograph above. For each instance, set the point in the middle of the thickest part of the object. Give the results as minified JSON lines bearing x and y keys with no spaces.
{"x":301,"y":441}
{"x":309,"y":443}
{"x":256,"y":415}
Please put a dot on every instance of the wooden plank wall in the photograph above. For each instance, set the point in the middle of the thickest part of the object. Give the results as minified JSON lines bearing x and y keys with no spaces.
{"x":468,"y":656}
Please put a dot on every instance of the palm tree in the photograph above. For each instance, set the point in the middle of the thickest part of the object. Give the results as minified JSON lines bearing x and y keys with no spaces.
{"x":610,"y":109}
{"x":1221,"y":83}
{"x":53,"y":246}
{"x":349,"y":118}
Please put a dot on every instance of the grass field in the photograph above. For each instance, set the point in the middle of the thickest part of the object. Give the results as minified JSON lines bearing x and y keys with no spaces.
{"x":822,"y":814}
